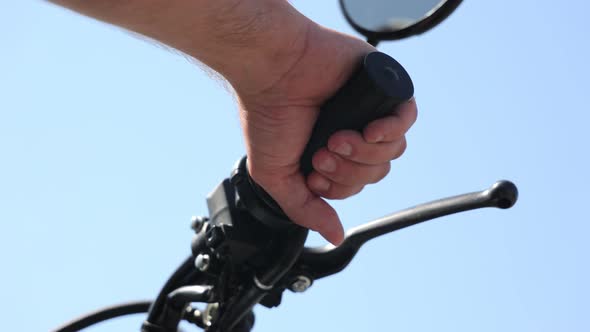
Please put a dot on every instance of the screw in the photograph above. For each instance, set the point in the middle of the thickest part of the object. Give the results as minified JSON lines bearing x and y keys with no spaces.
{"x":215,"y":236}
{"x":301,"y":284}
{"x":198,"y":222}
{"x":193,"y":315}
{"x":202,"y":262}
{"x":210,"y":314}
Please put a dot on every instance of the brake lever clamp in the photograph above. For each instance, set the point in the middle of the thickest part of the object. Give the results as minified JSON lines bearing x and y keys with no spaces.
{"x":244,"y":248}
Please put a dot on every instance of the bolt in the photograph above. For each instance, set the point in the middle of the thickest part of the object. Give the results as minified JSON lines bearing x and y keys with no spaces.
{"x":210,"y":314}
{"x":301,"y":284}
{"x":215,"y":236}
{"x":193,"y":315}
{"x":198,"y":222}
{"x":202,"y":262}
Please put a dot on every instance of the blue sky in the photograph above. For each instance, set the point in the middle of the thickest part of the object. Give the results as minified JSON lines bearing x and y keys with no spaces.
{"x":109,"y":145}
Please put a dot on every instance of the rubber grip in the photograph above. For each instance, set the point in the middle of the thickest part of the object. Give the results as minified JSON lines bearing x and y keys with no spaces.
{"x":375,"y":89}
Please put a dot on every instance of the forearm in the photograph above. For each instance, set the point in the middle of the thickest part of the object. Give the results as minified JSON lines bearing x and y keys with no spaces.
{"x":239,"y":39}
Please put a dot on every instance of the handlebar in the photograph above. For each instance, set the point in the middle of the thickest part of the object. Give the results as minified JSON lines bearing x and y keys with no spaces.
{"x":375,"y":90}
{"x":195,"y":283}
{"x":265,"y":261}
{"x":253,"y":242}
{"x":248,"y":252}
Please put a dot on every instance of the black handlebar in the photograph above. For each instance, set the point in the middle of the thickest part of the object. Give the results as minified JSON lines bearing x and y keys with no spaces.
{"x":311,"y":264}
{"x":375,"y":89}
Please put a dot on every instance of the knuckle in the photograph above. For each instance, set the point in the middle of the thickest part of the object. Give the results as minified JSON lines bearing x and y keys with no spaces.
{"x":414,"y":115}
{"x":401,"y":148}
{"x":381,"y":173}
{"x":409,"y":113}
{"x":334,"y":193}
{"x":346,"y":172}
{"x":393,"y":129}
{"x":357,"y":190}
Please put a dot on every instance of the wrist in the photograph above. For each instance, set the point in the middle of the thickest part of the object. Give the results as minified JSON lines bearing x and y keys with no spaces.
{"x":254,"y":43}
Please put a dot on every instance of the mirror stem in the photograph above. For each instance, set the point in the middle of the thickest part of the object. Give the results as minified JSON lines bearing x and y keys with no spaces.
{"x":373,"y":41}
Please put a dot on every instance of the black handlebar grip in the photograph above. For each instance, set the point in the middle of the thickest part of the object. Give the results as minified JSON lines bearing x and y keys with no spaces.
{"x":375,"y":89}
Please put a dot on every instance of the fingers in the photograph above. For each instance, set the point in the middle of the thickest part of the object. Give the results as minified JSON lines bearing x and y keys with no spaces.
{"x":347,"y":172}
{"x":329,"y":189}
{"x":352,"y":146}
{"x":302,"y":206}
{"x":353,"y":160}
{"x":350,"y":161}
{"x":392,"y":127}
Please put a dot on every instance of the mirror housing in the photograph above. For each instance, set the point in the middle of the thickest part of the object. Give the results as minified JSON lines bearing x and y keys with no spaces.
{"x":409,"y":27}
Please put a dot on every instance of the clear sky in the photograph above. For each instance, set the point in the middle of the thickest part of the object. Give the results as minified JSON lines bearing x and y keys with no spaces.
{"x":109,"y":144}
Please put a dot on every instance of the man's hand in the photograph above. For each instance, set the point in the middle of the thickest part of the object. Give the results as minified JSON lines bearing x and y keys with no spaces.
{"x":278,"y":122}
{"x":283,"y":67}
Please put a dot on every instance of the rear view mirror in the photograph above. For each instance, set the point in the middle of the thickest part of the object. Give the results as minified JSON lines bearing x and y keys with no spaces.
{"x":395,"y":19}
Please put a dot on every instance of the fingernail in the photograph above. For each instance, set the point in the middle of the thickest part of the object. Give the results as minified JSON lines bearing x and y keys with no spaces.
{"x":343,"y":149}
{"x":328,"y":164}
{"x":377,"y":139}
{"x":321,"y":184}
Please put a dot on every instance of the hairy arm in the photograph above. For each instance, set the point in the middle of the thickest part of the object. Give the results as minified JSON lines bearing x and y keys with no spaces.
{"x":267,"y":35}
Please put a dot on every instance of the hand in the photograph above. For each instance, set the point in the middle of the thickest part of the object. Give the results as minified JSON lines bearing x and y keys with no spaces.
{"x":278,"y":121}
{"x":283,"y":67}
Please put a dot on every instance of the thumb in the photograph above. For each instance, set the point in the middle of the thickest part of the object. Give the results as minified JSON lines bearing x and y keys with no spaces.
{"x":305,"y":208}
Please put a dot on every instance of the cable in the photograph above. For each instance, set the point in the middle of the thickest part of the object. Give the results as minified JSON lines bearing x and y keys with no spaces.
{"x":184,"y":272}
{"x":105,"y":314}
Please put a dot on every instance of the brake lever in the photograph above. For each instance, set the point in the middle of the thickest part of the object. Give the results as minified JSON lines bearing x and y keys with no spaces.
{"x":319,"y":262}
